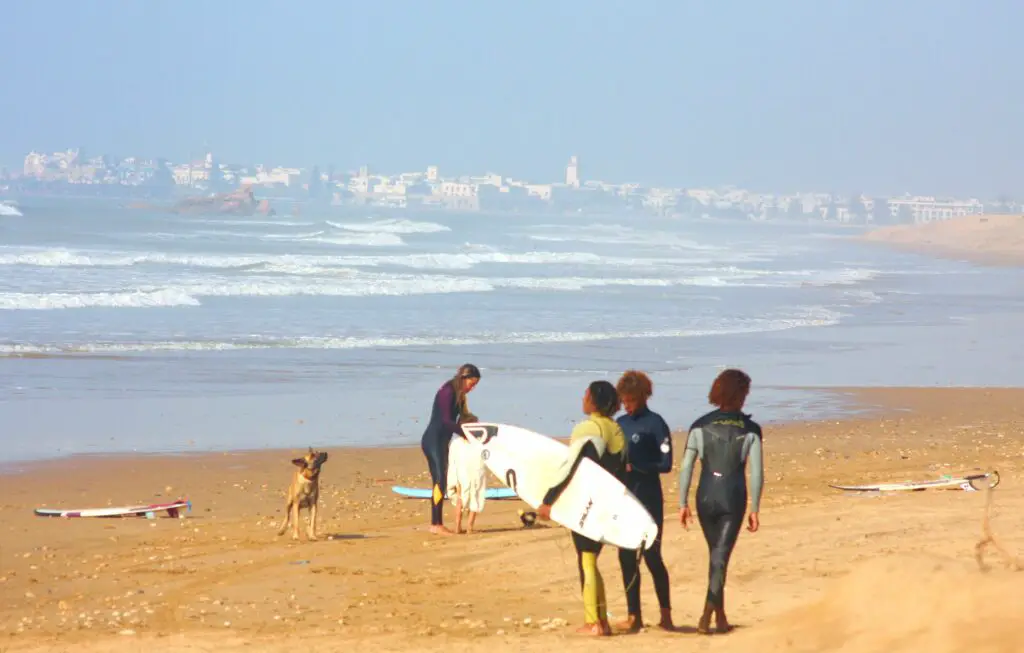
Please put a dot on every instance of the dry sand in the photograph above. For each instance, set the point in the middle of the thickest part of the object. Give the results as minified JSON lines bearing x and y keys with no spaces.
{"x":827,"y":571}
{"x":985,"y":239}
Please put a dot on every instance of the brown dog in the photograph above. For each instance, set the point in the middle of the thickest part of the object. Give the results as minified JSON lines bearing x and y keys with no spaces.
{"x":304,"y":492}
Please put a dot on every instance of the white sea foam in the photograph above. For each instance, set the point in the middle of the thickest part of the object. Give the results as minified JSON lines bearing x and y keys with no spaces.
{"x":10,"y":211}
{"x":391,"y":227}
{"x":368,"y":239}
{"x":188,"y":293}
{"x":161,"y":297}
{"x":342,"y":282}
{"x":308,"y":264}
{"x":244,"y":223}
{"x":814,"y":316}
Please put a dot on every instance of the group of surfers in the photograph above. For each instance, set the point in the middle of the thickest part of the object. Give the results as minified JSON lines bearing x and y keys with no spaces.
{"x":636,"y":448}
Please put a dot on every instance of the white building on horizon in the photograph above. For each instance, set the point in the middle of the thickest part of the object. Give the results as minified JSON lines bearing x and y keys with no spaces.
{"x":572,"y":172}
{"x":930,"y":209}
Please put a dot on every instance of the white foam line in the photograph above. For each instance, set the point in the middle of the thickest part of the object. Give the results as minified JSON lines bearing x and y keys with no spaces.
{"x":344,"y":282}
{"x":394,"y":226}
{"x":812,"y":317}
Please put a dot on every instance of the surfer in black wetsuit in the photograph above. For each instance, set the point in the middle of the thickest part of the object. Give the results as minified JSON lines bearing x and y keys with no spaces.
{"x":649,"y":442}
{"x":449,"y":411}
{"x":724,"y":440}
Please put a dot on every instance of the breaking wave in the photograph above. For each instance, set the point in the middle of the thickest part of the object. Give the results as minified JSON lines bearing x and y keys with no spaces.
{"x":808,"y":317}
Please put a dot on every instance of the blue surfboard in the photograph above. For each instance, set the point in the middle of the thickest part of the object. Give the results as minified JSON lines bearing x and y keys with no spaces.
{"x":422,"y":493}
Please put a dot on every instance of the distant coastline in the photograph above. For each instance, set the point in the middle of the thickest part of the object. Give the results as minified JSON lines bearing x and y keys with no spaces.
{"x":991,"y":240}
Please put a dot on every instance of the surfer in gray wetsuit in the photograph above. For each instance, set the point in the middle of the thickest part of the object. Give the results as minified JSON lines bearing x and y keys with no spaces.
{"x":724,"y":440}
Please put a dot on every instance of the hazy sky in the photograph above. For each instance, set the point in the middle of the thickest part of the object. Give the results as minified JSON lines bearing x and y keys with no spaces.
{"x":880,"y":96}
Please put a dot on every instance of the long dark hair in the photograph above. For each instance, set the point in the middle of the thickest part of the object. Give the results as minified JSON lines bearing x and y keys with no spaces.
{"x":604,"y":397}
{"x":467,"y":371}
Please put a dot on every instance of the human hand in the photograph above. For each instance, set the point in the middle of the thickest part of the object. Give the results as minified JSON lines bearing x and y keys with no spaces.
{"x":685,"y":516}
{"x":629,"y":467}
{"x":753,"y":522}
{"x":544,"y":512}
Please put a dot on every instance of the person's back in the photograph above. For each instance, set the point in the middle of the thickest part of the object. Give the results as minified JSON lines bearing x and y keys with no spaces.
{"x":723,"y":441}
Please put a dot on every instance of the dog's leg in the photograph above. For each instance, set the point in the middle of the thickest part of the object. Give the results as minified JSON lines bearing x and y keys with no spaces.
{"x":287,"y":518}
{"x":311,"y":533}
{"x":295,"y":521}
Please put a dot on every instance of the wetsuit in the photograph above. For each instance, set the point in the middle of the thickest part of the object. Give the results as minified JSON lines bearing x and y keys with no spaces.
{"x":600,"y":439}
{"x":649,"y":442}
{"x":444,"y":422}
{"x":724,"y":442}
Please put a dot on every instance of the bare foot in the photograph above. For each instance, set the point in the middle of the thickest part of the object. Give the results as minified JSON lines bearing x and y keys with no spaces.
{"x":722,"y":624}
{"x":594,"y":630}
{"x":704,"y":625}
{"x":666,"y":620}
{"x":631,"y":624}
{"x":441,"y":530}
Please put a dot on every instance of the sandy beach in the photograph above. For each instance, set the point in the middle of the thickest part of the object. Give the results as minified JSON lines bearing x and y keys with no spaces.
{"x":827,"y":571}
{"x":983,"y":239}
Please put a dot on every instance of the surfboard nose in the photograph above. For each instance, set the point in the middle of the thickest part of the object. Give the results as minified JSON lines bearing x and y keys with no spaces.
{"x":482,"y":433}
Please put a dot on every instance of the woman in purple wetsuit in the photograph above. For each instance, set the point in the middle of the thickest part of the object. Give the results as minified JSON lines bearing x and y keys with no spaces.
{"x":450,"y":409}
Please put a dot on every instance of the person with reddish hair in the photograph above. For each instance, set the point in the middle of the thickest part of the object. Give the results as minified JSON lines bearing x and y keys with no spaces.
{"x":724,"y":440}
{"x":649,"y":455}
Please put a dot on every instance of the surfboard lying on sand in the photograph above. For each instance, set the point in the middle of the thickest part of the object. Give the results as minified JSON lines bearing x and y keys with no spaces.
{"x":594,"y":503}
{"x":970,"y":481}
{"x":173,"y":509}
{"x":423,"y":493}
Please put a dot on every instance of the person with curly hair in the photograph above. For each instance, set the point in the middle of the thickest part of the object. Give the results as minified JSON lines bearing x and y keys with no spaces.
{"x":649,"y":454}
{"x":725,"y":440}
{"x":599,"y":438}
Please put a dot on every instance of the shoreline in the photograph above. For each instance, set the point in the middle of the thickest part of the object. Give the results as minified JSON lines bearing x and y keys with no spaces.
{"x":986,"y":240}
{"x":809,"y":581}
{"x":840,"y":403}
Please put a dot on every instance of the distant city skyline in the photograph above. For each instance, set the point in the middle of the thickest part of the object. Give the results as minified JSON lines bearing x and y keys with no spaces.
{"x":847,"y":96}
{"x":207,"y":183}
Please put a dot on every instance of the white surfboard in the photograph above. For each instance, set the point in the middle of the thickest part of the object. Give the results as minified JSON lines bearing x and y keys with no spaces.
{"x":963,"y":482}
{"x":173,"y":509}
{"x":594,"y":503}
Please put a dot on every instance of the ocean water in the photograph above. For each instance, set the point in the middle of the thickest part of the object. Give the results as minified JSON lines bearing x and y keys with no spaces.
{"x":130,"y":330}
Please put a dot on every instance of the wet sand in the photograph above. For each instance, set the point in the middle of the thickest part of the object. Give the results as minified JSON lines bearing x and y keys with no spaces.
{"x":996,"y":240}
{"x":827,"y":571}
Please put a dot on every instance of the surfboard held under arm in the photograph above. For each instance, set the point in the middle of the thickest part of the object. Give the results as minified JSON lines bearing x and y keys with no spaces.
{"x":594,"y":504}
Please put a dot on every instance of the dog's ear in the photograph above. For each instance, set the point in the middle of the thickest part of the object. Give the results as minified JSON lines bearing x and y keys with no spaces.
{"x":299,"y":462}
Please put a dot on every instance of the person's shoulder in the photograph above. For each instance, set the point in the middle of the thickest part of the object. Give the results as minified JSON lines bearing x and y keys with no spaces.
{"x":585,"y":429}
{"x":660,"y":421}
{"x":752,"y":426}
{"x":704,"y":419}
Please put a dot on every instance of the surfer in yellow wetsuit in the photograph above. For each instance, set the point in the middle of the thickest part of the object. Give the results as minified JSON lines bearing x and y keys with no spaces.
{"x":599,"y":438}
